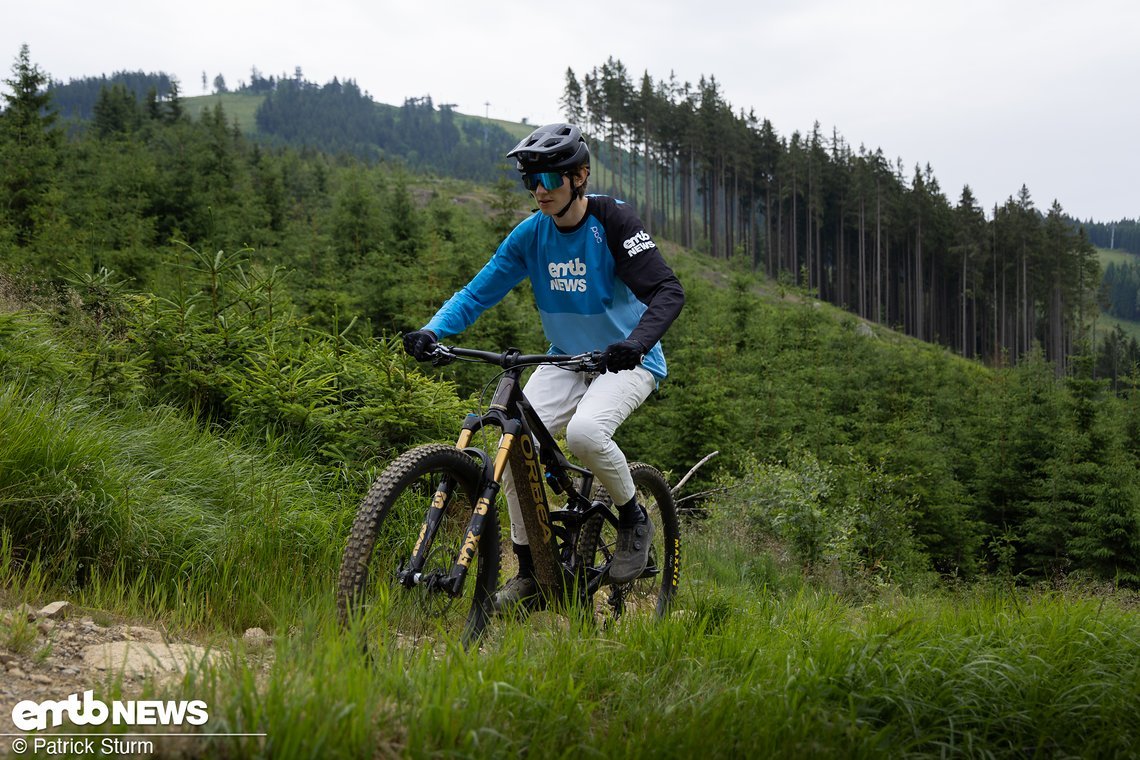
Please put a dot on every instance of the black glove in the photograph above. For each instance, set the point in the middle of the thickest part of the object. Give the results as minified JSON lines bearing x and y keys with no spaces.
{"x":624,"y":355}
{"x":420,"y":344}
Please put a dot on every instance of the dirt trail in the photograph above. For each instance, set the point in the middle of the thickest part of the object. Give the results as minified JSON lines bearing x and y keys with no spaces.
{"x":55,"y":651}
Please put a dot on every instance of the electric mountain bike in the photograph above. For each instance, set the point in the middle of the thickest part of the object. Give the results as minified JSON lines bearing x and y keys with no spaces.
{"x":423,"y":556}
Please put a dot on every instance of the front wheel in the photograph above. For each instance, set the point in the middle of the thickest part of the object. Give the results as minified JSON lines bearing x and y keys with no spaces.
{"x":654,"y":590}
{"x":387,"y":529}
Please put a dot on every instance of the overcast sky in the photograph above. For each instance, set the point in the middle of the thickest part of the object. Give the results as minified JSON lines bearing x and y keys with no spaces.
{"x":990,"y":93}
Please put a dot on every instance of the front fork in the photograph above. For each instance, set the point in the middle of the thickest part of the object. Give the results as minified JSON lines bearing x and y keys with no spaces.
{"x":453,"y":582}
{"x":515,"y":450}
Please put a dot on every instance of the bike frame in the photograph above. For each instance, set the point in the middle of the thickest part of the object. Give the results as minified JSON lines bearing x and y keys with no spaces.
{"x":520,"y":427}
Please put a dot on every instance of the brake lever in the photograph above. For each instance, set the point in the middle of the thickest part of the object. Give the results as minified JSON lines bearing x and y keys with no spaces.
{"x":442,"y":357}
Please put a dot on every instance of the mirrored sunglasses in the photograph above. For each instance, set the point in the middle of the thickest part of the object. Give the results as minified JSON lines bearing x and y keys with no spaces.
{"x":549,"y":180}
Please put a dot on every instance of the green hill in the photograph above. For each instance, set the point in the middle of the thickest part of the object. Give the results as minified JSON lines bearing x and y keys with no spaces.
{"x":853,"y":462}
{"x":239,"y":107}
{"x":1118,"y":257}
{"x":991,"y":288}
{"x":1120,"y":283}
{"x":242,"y":107}
{"x":897,"y":550}
{"x":360,"y":249}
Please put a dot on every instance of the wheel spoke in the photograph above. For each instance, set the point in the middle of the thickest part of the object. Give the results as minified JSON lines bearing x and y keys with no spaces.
{"x":651,"y":592}
{"x":388,"y":528}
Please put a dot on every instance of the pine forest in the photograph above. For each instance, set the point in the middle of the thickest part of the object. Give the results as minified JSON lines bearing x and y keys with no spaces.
{"x":920,"y":534}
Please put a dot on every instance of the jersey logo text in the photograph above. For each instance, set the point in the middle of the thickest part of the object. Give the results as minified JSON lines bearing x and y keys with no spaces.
{"x":638,"y":243}
{"x":568,"y":276}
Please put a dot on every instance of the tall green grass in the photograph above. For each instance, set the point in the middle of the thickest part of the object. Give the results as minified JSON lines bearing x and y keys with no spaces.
{"x":1106,"y":323}
{"x":755,"y":660}
{"x":1108,"y":256}
{"x":978,"y":673}
{"x":142,"y":509}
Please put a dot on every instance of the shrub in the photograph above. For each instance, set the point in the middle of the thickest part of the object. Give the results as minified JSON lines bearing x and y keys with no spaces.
{"x":853,"y":519}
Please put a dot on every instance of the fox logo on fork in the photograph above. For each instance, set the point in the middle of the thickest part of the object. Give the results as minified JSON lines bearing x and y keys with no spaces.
{"x":471,"y":543}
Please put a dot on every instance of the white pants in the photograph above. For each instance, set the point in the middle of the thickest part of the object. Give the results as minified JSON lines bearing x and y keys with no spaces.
{"x":589,"y":411}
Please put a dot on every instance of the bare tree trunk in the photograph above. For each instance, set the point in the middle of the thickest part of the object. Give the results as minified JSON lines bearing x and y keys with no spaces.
{"x":879,"y":271}
{"x":862,"y":258}
{"x":754,"y":224}
{"x":819,"y":283}
{"x":779,"y":222}
{"x":919,"y":332}
{"x":768,"y":248}
{"x":842,"y":276}
{"x":737,"y":235}
{"x":1056,"y":328}
{"x":962,"y":341}
{"x":809,"y":212}
{"x":648,"y":215}
{"x":1030,"y":317}
{"x":933,"y":323}
{"x":710,"y":209}
{"x":617,"y":150}
{"x":1004,"y":317}
{"x":997,"y":314}
{"x":690,"y":199}
{"x":795,"y":232}
{"x":884,"y":293}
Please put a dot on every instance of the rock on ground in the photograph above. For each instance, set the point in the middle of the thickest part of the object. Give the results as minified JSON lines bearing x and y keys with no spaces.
{"x":56,"y":651}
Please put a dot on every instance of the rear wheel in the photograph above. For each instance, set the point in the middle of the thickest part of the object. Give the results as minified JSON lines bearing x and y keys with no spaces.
{"x":653,"y":591}
{"x":387,"y":528}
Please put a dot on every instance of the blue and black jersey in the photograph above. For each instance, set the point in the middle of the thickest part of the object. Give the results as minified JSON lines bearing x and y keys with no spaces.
{"x":598,"y":283}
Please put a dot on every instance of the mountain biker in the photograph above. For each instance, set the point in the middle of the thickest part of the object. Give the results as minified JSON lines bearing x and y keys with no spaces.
{"x":599,"y":282}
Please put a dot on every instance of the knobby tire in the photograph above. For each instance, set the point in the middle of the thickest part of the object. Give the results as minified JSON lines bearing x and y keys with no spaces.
{"x":387,"y":526}
{"x":655,"y":589}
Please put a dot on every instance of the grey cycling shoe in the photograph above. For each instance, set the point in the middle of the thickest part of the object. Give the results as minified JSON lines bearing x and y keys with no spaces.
{"x":519,"y":594}
{"x":632,"y":553}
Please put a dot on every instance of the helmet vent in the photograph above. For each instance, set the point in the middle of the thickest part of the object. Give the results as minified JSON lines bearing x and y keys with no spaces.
{"x":555,"y":147}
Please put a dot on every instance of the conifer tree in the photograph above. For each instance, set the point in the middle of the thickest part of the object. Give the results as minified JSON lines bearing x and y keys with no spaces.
{"x":174,"y":110}
{"x":29,"y":145}
{"x":116,"y":111}
{"x":572,"y":99}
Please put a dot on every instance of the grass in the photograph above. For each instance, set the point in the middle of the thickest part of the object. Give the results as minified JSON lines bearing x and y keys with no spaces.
{"x":986,"y":672}
{"x":1106,"y":323}
{"x":143,"y":513}
{"x":240,"y":108}
{"x":141,"y":510}
{"x":756,"y":660}
{"x":1108,"y":256}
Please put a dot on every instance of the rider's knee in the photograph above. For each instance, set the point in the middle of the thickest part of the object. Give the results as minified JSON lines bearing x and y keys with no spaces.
{"x":585,"y":437}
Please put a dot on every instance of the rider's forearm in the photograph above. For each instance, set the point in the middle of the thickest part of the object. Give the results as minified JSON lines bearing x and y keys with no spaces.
{"x":497,"y":277}
{"x":664,"y":304}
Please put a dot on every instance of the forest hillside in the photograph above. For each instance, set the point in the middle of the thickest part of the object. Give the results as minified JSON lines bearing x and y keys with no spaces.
{"x":898,"y":549}
{"x":867,"y":233}
{"x":238,"y":283}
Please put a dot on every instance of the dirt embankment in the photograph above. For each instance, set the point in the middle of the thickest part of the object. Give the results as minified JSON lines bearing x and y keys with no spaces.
{"x":51,"y":653}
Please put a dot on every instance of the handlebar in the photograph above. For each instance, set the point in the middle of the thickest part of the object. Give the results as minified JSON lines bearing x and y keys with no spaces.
{"x":590,"y":361}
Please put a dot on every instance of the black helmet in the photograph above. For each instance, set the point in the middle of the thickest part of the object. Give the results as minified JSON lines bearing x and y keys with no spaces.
{"x":555,"y":147}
